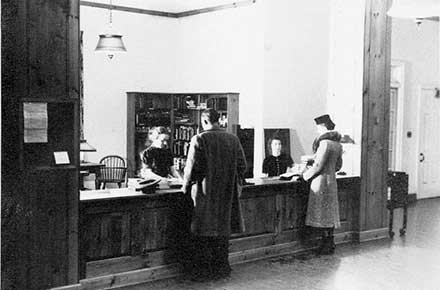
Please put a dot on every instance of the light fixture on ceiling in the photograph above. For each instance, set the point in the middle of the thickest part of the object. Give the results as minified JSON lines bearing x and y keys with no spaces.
{"x":418,"y":10}
{"x":110,"y":42}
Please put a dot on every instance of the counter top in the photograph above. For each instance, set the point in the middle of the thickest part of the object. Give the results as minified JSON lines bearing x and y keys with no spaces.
{"x":126,"y":193}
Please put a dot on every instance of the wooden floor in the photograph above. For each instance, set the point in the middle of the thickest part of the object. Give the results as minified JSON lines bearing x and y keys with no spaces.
{"x":411,"y":262}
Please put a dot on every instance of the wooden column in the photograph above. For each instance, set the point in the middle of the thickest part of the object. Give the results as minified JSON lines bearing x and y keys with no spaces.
{"x":40,"y":52}
{"x":375,"y":121}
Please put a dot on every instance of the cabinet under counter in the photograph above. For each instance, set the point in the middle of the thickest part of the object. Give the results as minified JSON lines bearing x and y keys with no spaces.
{"x":123,"y":230}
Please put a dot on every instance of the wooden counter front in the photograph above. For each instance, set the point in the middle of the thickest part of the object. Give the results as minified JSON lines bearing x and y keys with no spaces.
{"x":123,"y":230}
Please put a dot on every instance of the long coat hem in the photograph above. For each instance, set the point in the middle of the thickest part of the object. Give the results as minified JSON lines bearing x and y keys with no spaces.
{"x":321,"y":225}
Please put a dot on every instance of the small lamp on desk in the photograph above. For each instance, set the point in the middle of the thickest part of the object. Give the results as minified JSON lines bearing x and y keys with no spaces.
{"x":85,"y":147}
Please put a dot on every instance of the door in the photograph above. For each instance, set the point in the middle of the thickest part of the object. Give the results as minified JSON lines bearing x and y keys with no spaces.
{"x":429,"y":143}
{"x":392,"y":152}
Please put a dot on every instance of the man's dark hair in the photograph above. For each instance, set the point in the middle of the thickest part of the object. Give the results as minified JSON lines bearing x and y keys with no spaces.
{"x":212,"y":115}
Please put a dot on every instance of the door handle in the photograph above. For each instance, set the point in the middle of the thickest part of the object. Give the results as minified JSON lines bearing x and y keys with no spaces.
{"x":421,"y":157}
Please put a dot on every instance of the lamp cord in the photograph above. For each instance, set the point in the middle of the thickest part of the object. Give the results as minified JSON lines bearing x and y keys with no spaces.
{"x":111,"y":16}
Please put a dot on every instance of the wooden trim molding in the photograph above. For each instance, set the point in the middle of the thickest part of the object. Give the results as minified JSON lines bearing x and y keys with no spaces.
{"x":140,"y":276}
{"x":216,"y":8}
{"x":434,"y":18}
{"x":128,"y":9}
{"x":376,"y":234}
{"x":165,"y":13}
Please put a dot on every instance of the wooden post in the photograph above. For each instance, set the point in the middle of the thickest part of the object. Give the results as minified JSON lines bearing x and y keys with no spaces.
{"x":375,"y":121}
{"x":40,"y":50}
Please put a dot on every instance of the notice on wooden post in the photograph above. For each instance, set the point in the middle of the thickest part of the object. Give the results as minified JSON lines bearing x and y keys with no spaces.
{"x":61,"y":157}
{"x":35,"y":122}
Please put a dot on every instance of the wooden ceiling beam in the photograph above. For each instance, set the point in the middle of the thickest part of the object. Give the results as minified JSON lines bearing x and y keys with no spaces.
{"x":164,"y":13}
{"x":216,"y":8}
{"x":434,"y":18}
{"x":129,"y":9}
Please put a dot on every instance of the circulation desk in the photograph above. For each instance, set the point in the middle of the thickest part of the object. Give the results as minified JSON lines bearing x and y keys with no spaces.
{"x":122,"y":230}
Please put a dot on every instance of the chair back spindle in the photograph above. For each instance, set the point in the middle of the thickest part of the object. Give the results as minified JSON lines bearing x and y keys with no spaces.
{"x":114,"y":170}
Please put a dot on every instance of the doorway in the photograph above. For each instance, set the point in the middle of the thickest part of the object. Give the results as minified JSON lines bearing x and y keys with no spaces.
{"x":396,"y":115}
{"x":428,"y":169}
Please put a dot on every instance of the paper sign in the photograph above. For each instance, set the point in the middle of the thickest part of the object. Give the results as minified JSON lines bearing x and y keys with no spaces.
{"x":61,"y":157}
{"x":35,"y":122}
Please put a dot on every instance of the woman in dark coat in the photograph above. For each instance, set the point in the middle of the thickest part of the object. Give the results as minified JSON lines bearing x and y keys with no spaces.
{"x":323,"y":207}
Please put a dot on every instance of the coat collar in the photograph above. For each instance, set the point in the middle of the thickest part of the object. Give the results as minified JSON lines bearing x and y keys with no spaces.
{"x":330,"y":135}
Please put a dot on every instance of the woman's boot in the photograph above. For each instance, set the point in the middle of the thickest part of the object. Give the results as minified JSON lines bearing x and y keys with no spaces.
{"x":332,"y":240}
{"x":323,"y":242}
{"x":328,"y":243}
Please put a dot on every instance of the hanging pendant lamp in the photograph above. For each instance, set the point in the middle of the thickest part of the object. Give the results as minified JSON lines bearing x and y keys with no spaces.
{"x":414,"y":9}
{"x":110,"y":42}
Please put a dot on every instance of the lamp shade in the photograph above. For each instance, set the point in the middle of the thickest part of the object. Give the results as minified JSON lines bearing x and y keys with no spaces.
{"x":86,"y":147}
{"x":415,"y":9}
{"x":110,"y":44}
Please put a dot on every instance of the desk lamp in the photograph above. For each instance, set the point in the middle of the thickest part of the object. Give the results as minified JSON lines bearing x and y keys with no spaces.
{"x":85,"y":147}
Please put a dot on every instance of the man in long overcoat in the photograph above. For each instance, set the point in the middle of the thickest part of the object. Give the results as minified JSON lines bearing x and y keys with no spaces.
{"x":214,"y":169}
{"x":323,"y":207}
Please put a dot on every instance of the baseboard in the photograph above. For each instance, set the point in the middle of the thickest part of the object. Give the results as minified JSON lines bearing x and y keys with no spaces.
{"x":412,"y":197}
{"x":69,"y":287}
{"x":135,"y":277}
{"x":376,"y":234}
{"x":427,"y":198}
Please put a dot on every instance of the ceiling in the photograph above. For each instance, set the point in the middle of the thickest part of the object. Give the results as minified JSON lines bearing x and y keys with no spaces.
{"x":167,"y":5}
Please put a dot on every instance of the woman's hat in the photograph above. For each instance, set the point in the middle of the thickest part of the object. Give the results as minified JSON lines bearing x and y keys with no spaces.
{"x":325,"y":120}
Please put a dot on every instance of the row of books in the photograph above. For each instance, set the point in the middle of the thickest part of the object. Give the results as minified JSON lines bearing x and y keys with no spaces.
{"x":145,"y":118}
{"x":184,"y":133}
{"x":180,"y":148}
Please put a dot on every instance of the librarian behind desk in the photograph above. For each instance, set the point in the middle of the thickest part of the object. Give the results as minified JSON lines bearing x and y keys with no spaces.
{"x":157,"y":160}
{"x":278,"y":162}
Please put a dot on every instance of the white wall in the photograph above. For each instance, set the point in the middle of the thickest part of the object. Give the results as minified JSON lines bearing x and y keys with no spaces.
{"x":296,"y":61}
{"x":344,"y":96}
{"x":149,"y":65}
{"x":222,"y":52}
{"x":419,"y":50}
{"x":276,"y":54}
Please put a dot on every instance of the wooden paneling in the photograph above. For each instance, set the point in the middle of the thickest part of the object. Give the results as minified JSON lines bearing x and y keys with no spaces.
{"x":374,"y":160}
{"x":137,"y":233}
{"x":47,"y":38}
{"x":259,"y":215}
{"x":39,"y":63}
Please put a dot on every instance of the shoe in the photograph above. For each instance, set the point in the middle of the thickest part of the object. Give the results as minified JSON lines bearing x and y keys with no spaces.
{"x":328,"y":246}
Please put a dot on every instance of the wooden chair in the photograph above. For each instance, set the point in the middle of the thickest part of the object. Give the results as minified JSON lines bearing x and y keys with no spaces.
{"x":114,"y":171}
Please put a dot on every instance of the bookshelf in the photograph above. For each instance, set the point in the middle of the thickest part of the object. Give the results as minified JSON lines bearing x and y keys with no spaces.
{"x":180,"y":114}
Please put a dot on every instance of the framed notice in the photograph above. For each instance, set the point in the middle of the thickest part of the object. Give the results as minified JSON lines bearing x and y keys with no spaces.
{"x":35,"y":122}
{"x":61,"y":157}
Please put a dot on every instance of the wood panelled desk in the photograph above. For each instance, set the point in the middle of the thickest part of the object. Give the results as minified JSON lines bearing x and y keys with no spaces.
{"x":124,"y":230}
{"x":86,"y":168}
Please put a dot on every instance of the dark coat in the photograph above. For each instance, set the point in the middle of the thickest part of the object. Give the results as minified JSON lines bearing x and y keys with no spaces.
{"x":214,"y":169}
{"x":323,"y":207}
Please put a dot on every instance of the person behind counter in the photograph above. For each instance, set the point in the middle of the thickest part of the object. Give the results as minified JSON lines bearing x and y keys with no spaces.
{"x":323,"y":207}
{"x":277,"y":163}
{"x":157,"y":160}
